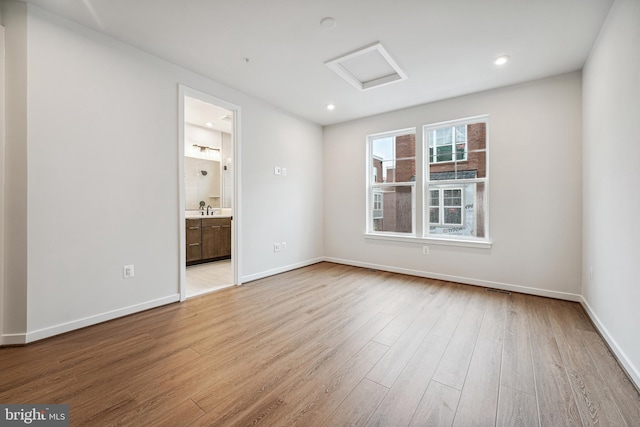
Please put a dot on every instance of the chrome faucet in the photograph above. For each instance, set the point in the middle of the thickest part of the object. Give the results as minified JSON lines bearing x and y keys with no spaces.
{"x":209,"y":207}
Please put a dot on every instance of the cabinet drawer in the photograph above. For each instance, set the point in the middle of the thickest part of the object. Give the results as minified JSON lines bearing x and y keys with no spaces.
{"x":215,"y":222}
{"x":193,"y":223}
{"x":192,"y":229}
{"x":194,"y":252}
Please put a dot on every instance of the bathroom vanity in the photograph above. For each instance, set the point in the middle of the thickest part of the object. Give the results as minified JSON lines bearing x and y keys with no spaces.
{"x":208,"y":239}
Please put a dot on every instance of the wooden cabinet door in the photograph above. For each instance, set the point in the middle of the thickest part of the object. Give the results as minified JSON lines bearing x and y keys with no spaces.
{"x":210,"y":238}
{"x":225,"y":239}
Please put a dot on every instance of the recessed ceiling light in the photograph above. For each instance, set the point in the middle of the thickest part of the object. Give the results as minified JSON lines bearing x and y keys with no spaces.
{"x":328,"y":22}
{"x":501,"y":60}
{"x":331,"y":107}
{"x":209,"y":124}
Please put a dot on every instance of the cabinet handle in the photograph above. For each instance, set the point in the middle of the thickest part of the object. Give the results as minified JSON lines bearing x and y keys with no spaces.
{"x":193,"y":228}
{"x":193,"y":244}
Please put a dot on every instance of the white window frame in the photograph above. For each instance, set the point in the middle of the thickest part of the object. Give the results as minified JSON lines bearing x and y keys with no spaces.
{"x":385,"y":185}
{"x":428,"y":184}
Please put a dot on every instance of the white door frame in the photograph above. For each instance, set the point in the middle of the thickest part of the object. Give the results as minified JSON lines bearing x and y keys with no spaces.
{"x":2,"y":160}
{"x":236,"y":263}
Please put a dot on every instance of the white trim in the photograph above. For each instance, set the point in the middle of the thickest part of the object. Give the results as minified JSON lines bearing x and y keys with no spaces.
{"x":17,"y":339}
{"x":13,"y":339}
{"x":464,"y":280}
{"x":449,"y":241}
{"x":272,"y":272}
{"x":457,"y":122}
{"x":236,"y":229}
{"x":2,"y":180}
{"x":630,"y":369}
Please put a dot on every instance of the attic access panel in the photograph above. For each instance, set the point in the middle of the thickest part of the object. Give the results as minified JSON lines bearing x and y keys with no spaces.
{"x":368,"y":67}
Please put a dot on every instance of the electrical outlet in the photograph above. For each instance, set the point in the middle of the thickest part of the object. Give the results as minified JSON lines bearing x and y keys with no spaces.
{"x":277,"y":170}
{"x":128,"y":272}
{"x":284,"y":246}
{"x":284,"y":171}
{"x":425,"y":250}
{"x":277,"y":247}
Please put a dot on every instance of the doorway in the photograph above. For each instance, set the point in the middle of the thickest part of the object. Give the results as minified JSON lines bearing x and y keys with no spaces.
{"x":209,"y":193}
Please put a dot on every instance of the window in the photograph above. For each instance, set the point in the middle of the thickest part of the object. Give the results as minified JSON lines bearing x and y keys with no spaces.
{"x":446,"y":207}
{"x":392,"y":172}
{"x":451,"y":176}
{"x":456,"y":179}
{"x":448,"y":144}
{"x":377,"y":205}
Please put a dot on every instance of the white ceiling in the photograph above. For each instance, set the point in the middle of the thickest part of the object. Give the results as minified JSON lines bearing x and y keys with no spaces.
{"x":445,"y":47}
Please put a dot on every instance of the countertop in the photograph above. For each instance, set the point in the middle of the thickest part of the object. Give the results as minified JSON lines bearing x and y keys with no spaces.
{"x":199,"y":215}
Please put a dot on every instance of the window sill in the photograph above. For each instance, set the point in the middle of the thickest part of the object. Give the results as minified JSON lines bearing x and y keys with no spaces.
{"x":481,"y":244}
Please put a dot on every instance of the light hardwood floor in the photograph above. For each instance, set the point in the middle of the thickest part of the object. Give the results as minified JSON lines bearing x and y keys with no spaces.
{"x":331,"y":345}
{"x":208,"y":277}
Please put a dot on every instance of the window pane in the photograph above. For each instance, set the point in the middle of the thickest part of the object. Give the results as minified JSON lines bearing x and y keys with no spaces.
{"x":435,"y":198}
{"x":452,"y":197}
{"x":397,"y":210}
{"x":443,"y":136}
{"x":383,"y":148}
{"x":461,"y":133}
{"x":434,"y":215}
{"x":387,"y":170}
{"x":461,"y":212}
{"x":453,"y":216}
{"x":444,"y":154}
{"x":377,"y":205}
{"x":405,"y":170}
{"x":460,"y":151}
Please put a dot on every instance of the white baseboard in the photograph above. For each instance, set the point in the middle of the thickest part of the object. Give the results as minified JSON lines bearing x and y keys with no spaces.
{"x":18,"y":339}
{"x":458,"y":279}
{"x":12,"y":339}
{"x":632,"y":371}
{"x":263,"y":274}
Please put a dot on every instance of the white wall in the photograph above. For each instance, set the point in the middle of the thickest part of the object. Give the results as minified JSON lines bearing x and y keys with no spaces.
{"x":15,"y":172}
{"x":102,"y":175}
{"x":611,"y":151}
{"x":283,"y":208}
{"x":535,"y":191}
